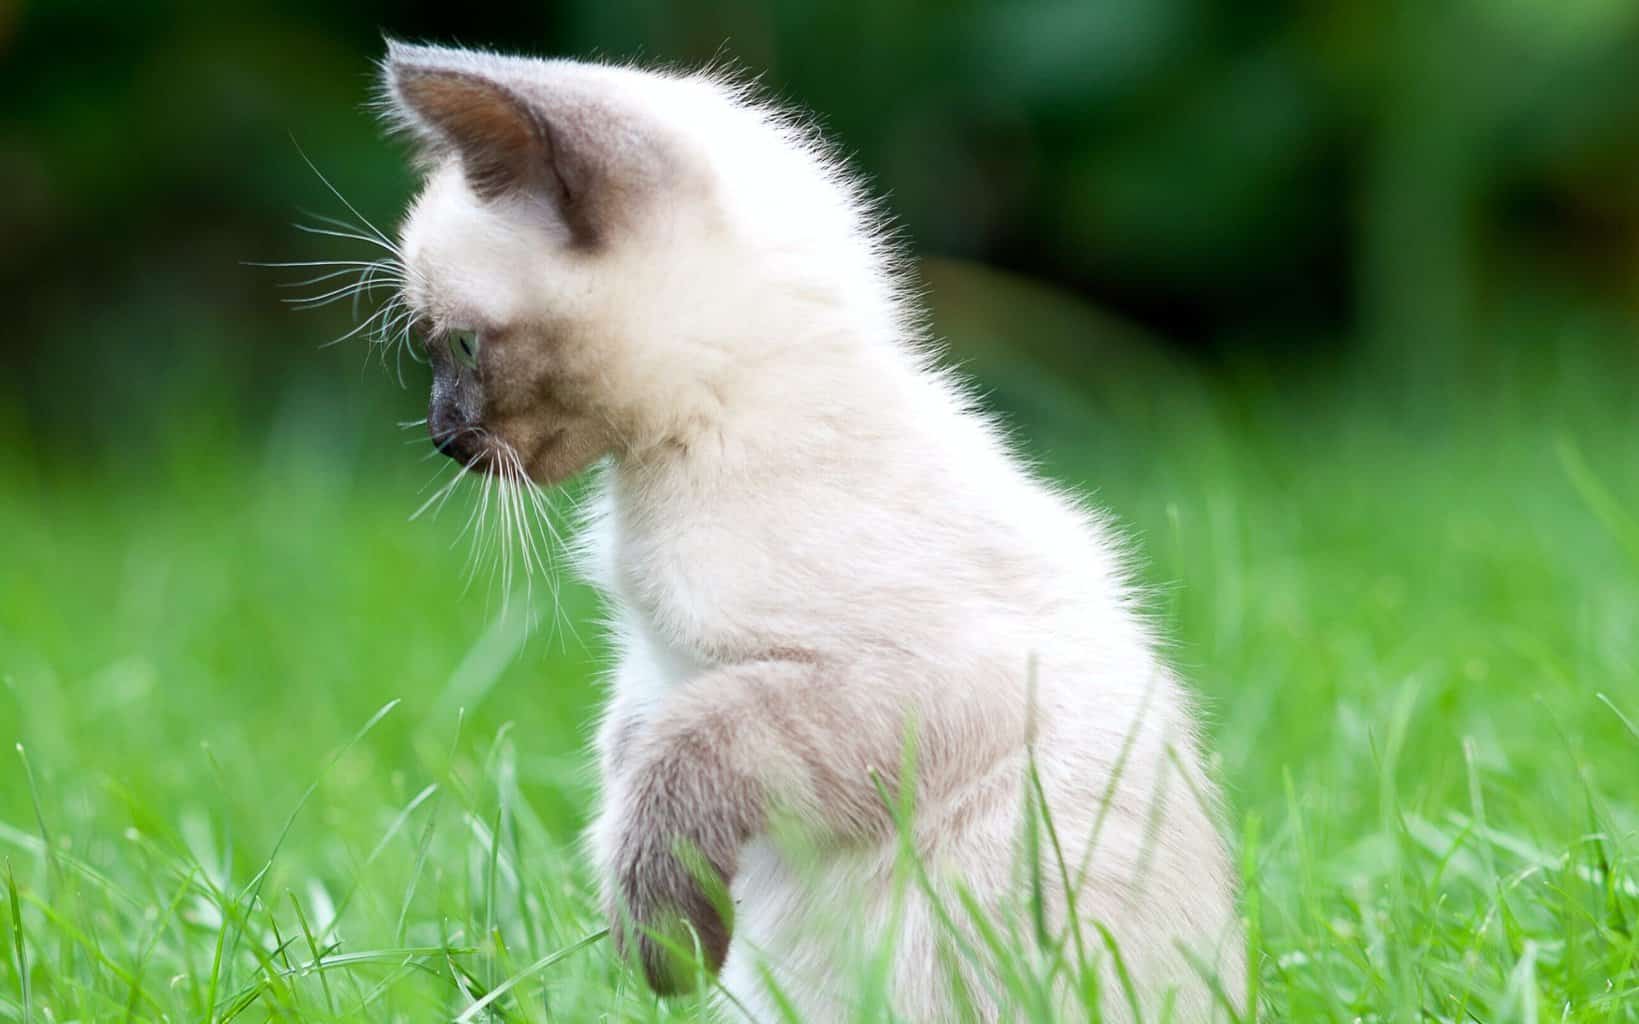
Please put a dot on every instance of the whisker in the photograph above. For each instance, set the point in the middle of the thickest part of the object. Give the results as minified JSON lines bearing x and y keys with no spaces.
{"x":391,"y":324}
{"x":509,"y":493}
{"x":464,"y":471}
{"x":532,"y":557}
{"x":393,"y":336}
{"x":510,"y":530}
{"x":448,"y":486}
{"x":345,"y":225}
{"x":366,"y":326}
{"x":368,"y":279}
{"x":353,"y":290}
{"x":495,"y":551}
{"x":440,"y":471}
{"x":337,"y":193}
{"x":502,"y":563}
{"x":393,"y":316}
{"x":480,"y":543}
{"x":471,"y":518}
{"x":398,"y":343}
{"x":333,"y":233}
{"x":525,"y":493}
{"x":395,"y":327}
{"x":298,"y":264}
{"x":320,"y":279}
{"x":543,"y":516}
{"x":442,"y":494}
{"x":511,"y":521}
{"x":355,"y":332}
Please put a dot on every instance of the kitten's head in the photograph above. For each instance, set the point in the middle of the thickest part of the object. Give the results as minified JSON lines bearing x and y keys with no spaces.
{"x":599,"y":253}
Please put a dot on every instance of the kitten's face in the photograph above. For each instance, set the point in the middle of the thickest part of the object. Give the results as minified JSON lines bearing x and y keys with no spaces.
{"x":504,"y":381}
{"x":551,"y":187}
{"x":602,"y":257}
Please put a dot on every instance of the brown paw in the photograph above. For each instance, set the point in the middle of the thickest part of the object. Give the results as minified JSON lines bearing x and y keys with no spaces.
{"x":675,"y":918}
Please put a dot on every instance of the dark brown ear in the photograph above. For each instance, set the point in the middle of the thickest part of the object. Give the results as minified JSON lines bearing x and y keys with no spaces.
{"x":506,"y":144}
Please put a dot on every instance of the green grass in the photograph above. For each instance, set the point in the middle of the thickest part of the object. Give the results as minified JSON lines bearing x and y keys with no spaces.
{"x":273,"y":764}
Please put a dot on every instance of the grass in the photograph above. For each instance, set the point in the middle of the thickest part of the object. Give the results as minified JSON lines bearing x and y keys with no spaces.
{"x":272,"y":764}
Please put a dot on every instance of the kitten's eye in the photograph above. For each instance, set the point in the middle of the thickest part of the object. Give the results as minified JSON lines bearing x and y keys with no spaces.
{"x":464,"y":346}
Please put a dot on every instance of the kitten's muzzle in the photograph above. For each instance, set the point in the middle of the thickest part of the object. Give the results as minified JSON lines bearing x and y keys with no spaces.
{"x":464,"y":441}
{"x":446,"y":434}
{"x":453,"y":414}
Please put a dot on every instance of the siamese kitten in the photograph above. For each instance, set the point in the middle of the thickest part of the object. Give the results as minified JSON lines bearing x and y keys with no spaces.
{"x":837,"y":594}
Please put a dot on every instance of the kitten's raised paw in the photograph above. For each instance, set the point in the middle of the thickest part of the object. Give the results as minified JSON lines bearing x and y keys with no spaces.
{"x":675,"y":919}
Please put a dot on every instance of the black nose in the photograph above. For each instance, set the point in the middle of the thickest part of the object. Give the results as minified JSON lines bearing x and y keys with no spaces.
{"x":447,"y":430}
{"x":453,"y":409}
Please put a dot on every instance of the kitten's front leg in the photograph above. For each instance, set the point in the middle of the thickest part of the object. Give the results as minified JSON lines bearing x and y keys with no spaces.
{"x":705,"y":767}
{"x":677,"y":820}
{"x":685,"y":784}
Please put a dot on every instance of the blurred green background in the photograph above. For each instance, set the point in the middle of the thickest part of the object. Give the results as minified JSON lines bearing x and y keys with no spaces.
{"x":1239,"y":178}
{"x":1334,"y":305}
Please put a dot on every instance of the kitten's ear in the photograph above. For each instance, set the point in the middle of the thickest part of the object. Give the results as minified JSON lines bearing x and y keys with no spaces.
{"x":507,"y":144}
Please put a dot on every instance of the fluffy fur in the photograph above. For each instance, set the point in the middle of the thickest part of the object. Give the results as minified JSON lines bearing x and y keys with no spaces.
{"x":818,"y":555}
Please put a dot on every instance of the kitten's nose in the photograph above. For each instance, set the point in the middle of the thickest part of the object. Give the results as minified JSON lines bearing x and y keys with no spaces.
{"x":446,"y":429}
{"x":454,"y":410}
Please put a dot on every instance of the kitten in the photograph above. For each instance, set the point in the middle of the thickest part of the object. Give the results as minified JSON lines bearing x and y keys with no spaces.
{"x":831,"y":579}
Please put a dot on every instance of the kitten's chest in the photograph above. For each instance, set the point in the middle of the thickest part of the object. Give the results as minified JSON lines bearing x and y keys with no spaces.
{"x":652,"y":659}
{"x":648,"y":669}
{"x":689,"y":585}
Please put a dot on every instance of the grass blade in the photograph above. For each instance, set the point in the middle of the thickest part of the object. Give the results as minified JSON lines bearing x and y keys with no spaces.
{"x":18,"y":944}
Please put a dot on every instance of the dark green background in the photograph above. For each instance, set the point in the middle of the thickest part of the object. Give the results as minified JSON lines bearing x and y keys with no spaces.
{"x":1249,"y":181}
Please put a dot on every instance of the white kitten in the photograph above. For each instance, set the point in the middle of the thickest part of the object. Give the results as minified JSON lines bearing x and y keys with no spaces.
{"x":819,"y":555}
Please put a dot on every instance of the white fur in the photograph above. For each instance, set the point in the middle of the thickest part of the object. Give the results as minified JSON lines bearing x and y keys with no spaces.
{"x":792,"y":474}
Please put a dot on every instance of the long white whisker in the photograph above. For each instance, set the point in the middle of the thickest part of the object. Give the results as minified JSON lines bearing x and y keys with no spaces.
{"x":480,"y":535}
{"x":438,"y":494}
{"x":367,"y":279}
{"x":394,"y":326}
{"x":437,"y":473}
{"x":391,"y":324}
{"x":494,"y":538}
{"x":399,"y":341}
{"x":543,"y":515}
{"x":342,"y":223}
{"x":333,"y":233}
{"x":472,"y":517}
{"x":353,"y":277}
{"x":320,"y":279}
{"x":337,"y":193}
{"x":533,"y":557}
{"x":445,"y":491}
{"x":298,"y":264}
{"x":368,"y":327}
{"x":464,"y":471}
{"x":512,"y":554}
{"x":518,"y":554}
{"x":352,"y":290}
{"x":475,"y":519}
{"x":527,"y":494}
{"x":497,"y":537}
{"x":363,"y":327}
{"x":526,"y":532}
{"x":390,"y":338}
{"x":393,"y":316}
